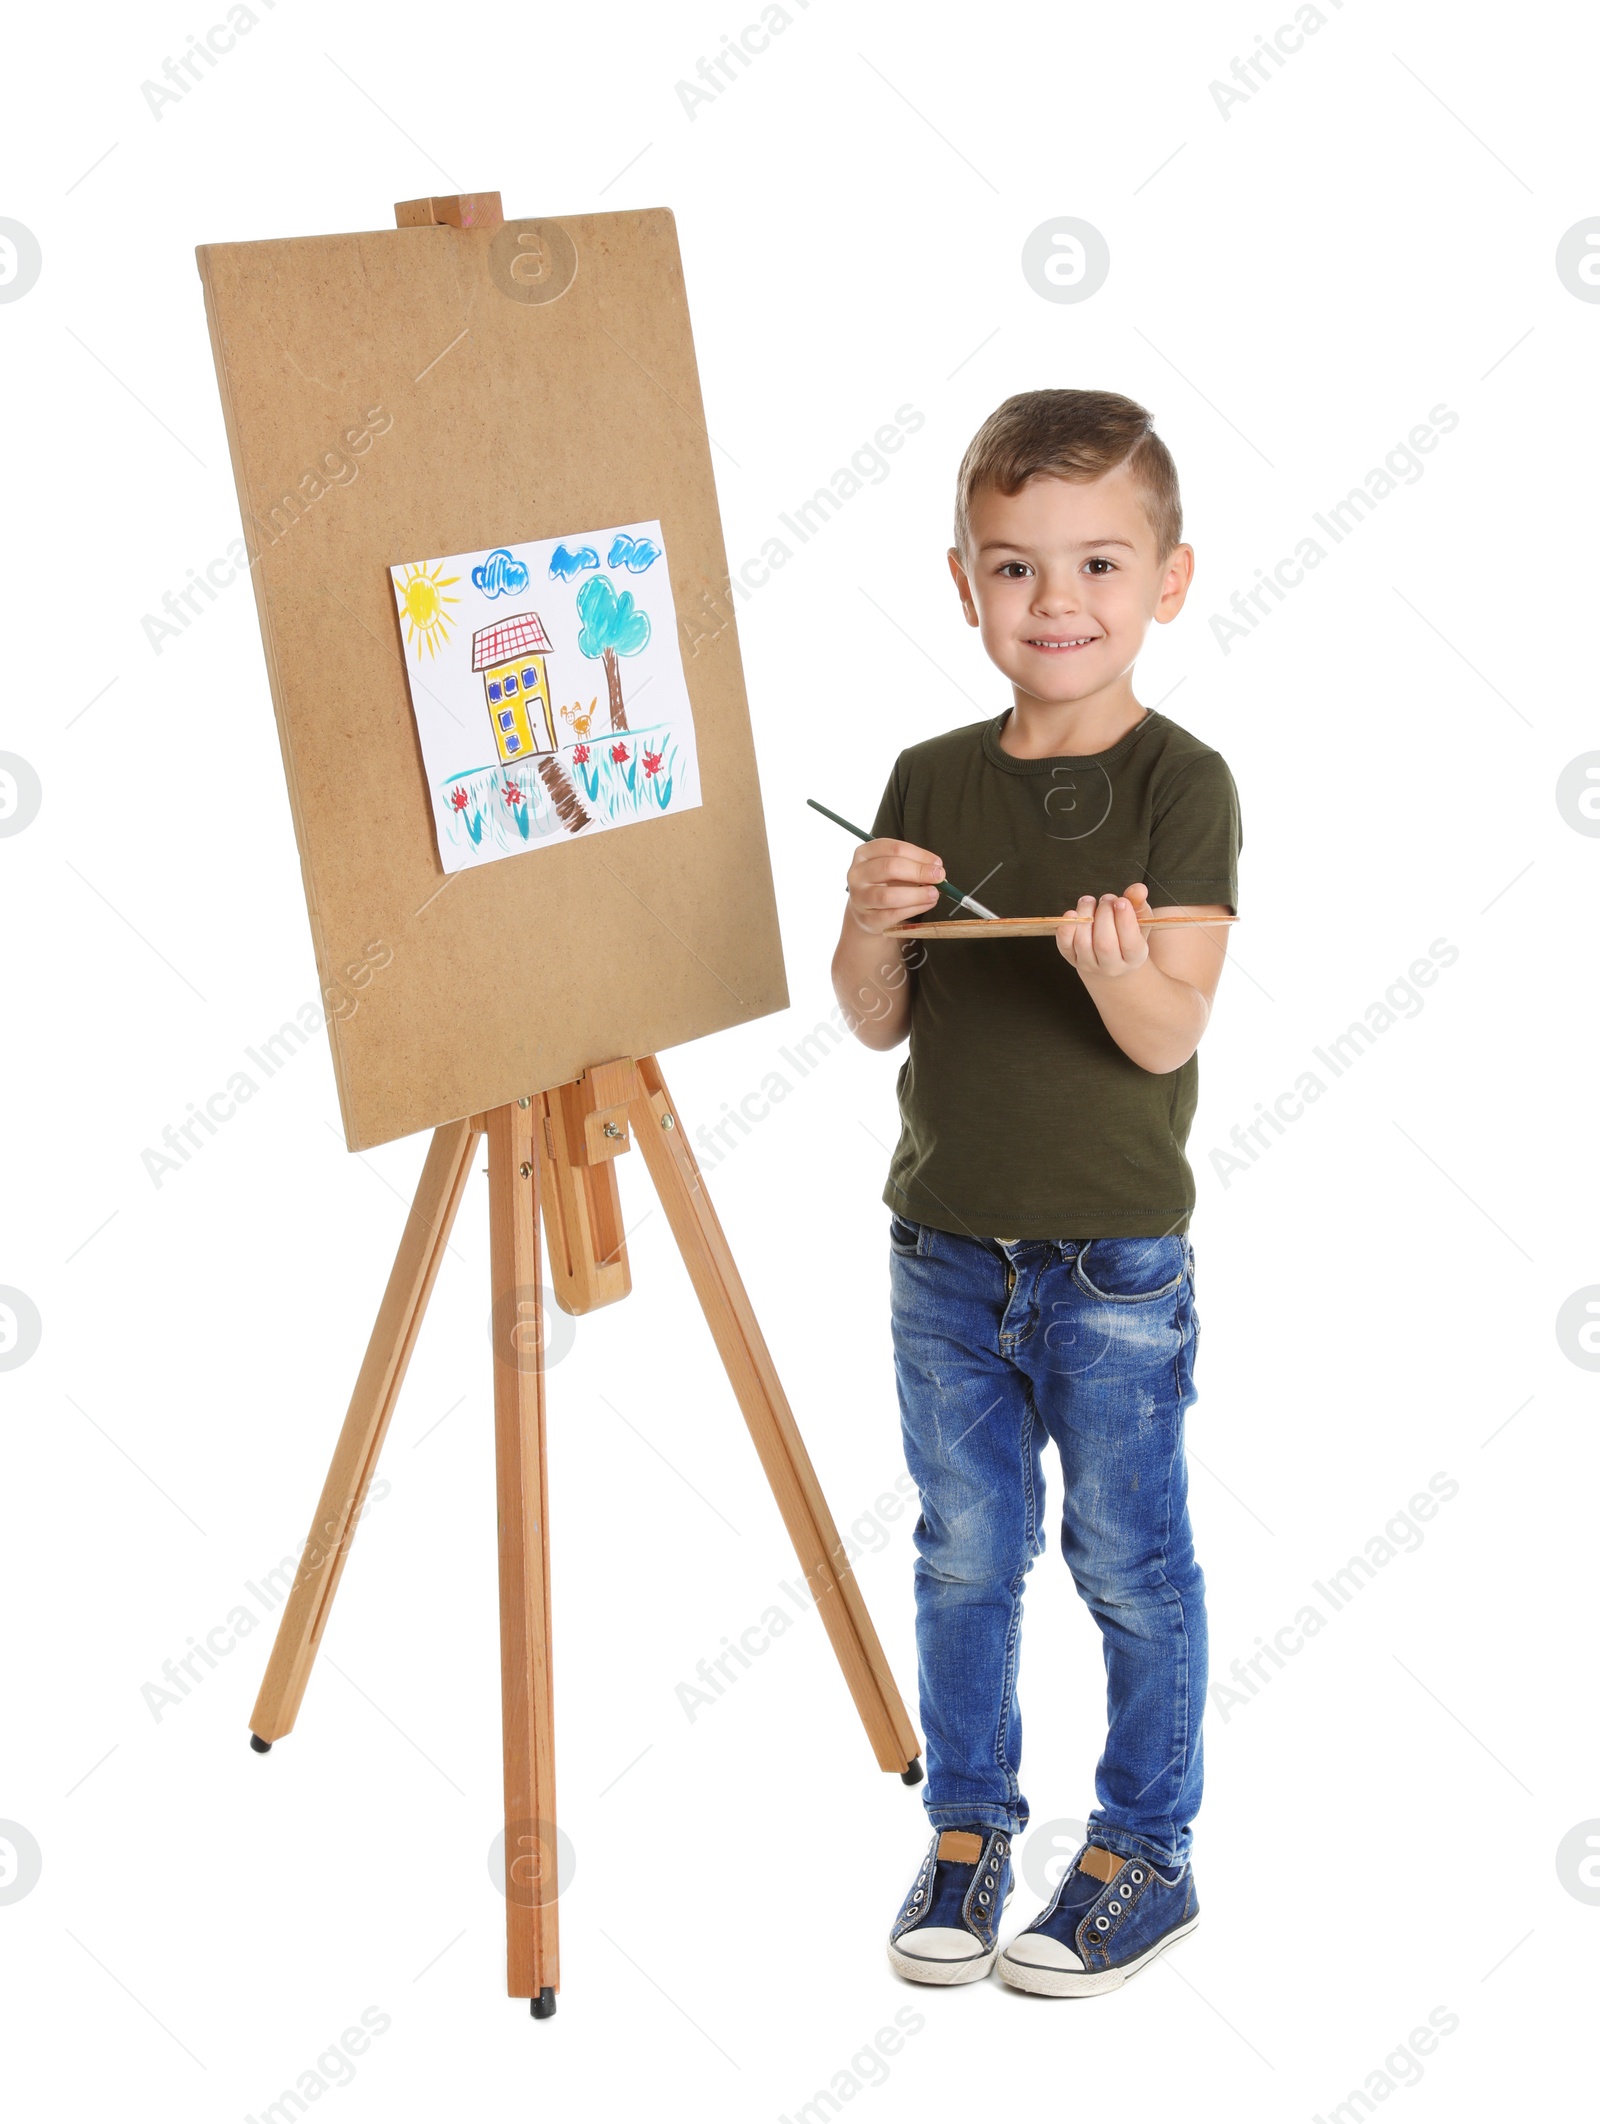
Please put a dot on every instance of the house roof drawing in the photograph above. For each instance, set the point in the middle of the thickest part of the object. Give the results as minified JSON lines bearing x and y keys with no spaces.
{"x":507,"y":639}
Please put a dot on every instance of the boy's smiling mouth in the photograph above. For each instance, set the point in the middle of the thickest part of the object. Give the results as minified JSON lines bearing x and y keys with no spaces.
{"x":1060,"y":641}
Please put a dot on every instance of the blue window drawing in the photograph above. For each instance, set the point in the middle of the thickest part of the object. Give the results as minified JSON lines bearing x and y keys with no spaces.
{"x":508,"y":719}
{"x":511,"y":684}
{"x":513,"y":744}
{"x":494,"y":689}
{"x":530,"y":680}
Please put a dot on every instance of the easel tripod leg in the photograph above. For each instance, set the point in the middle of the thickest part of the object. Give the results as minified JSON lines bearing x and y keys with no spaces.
{"x":532,"y":1945}
{"x":377,"y":1388}
{"x":754,"y":1379}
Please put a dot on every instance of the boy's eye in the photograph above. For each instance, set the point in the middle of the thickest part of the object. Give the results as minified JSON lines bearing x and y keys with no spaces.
{"x":1016,"y":571}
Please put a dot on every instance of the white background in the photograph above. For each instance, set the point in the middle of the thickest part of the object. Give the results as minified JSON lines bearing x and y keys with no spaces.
{"x":1292,"y":288}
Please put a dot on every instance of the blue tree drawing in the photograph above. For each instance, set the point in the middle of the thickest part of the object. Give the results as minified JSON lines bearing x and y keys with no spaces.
{"x":613,"y":626}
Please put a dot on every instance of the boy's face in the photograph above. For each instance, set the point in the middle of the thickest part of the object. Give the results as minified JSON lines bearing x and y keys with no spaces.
{"x":1062,"y":580}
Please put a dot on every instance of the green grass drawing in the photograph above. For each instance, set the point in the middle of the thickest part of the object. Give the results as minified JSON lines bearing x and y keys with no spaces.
{"x":507,"y":807}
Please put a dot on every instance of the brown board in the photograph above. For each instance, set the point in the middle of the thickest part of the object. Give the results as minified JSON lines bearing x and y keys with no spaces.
{"x":414,"y":392}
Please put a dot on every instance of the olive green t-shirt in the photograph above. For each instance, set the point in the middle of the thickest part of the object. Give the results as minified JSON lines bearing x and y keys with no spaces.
{"x":1020,"y":1114}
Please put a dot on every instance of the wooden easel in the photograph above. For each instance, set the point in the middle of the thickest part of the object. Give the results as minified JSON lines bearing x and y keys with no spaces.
{"x":557,"y":1151}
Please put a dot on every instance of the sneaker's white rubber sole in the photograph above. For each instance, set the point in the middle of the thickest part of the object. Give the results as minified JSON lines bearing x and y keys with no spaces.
{"x":926,"y":1969}
{"x":930,"y":1969}
{"x":1084,"y":1983}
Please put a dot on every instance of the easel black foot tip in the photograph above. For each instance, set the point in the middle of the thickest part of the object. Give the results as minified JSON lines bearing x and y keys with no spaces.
{"x":259,"y":1745}
{"x":544,"y":2005}
{"x":912,"y":1773}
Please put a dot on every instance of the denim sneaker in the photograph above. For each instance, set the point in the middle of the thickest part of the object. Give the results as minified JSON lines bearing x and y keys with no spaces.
{"x":1108,"y":1917}
{"x":947,"y":1929}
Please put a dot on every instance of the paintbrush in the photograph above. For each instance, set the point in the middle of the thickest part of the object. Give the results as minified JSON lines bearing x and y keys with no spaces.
{"x":962,"y":899}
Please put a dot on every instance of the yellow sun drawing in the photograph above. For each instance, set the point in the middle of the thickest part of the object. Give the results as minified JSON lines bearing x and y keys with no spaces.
{"x":423,"y":599}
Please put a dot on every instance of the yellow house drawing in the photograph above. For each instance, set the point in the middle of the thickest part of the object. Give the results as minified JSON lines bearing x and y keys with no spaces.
{"x":511,"y":655}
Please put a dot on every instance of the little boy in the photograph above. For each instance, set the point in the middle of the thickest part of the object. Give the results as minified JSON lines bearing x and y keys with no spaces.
{"x":1041,"y":1280}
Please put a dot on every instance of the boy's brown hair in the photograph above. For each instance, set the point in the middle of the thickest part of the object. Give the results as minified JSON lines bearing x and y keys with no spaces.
{"x":1075,"y":435}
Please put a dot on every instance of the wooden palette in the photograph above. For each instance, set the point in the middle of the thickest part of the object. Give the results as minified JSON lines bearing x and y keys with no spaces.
{"x":1044,"y":925}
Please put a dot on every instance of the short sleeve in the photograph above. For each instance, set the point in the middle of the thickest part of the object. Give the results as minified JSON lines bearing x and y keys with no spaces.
{"x":889,"y":821}
{"x":1195,"y":838}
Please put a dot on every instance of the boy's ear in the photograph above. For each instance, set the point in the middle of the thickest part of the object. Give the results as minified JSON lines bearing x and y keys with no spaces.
{"x":1177,"y":576}
{"x":963,"y":587}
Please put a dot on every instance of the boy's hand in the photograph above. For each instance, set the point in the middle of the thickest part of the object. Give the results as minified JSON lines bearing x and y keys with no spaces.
{"x":889,"y":882}
{"x":1113,"y":943}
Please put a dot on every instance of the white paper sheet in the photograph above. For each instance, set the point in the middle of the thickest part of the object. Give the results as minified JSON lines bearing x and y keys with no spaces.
{"x":548,"y":691}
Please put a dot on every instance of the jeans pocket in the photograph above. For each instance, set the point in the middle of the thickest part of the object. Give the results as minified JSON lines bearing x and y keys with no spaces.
{"x":1131,"y":1271}
{"x":904,"y":1236}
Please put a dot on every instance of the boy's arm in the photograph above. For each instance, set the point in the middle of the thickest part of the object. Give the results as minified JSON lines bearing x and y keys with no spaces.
{"x":1153,"y":991}
{"x":889,"y":882}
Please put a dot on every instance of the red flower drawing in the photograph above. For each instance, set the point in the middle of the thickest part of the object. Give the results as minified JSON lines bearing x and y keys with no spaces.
{"x":512,"y":794}
{"x":580,"y":753}
{"x":458,"y":798}
{"x":620,"y":754}
{"x":652,"y":760}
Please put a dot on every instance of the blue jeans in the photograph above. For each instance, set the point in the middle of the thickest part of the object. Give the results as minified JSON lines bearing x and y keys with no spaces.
{"x":996,"y":1345}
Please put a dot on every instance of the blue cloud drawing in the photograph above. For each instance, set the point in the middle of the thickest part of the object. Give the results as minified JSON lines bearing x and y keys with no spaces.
{"x":634,"y":554}
{"x":500,"y":575}
{"x":564,"y":565}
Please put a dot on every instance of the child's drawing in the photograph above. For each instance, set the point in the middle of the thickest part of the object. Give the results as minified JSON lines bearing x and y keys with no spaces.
{"x":511,"y":656}
{"x":579,"y":718}
{"x":564,"y":565}
{"x":635,"y":554}
{"x":423,"y":597}
{"x":500,"y":575}
{"x":494,"y":641}
{"x":612,"y":627}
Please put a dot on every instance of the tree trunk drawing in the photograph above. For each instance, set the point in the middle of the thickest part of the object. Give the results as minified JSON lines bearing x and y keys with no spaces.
{"x":619,"y":715}
{"x":558,"y":787}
